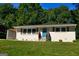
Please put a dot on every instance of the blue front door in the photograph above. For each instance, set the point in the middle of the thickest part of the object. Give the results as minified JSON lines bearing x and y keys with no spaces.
{"x":44,"y":33}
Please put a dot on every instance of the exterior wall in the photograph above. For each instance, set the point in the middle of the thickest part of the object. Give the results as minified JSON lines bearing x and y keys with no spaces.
{"x":67,"y":36}
{"x":26,"y":36}
{"x":64,"y":36}
{"x":11,"y":34}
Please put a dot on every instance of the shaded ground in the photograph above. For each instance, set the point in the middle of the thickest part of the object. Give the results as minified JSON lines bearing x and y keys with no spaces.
{"x":24,"y":48}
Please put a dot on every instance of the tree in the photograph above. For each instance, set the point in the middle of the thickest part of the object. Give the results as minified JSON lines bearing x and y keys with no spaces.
{"x":76,"y":5}
{"x":6,"y":9}
{"x":75,"y":16}
{"x":10,"y":20}
{"x":29,"y":13}
{"x":6,"y":12}
{"x":59,"y":15}
{"x":34,"y":14}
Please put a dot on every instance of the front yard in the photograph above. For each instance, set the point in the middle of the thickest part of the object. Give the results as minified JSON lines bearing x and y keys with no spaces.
{"x":24,"y":48}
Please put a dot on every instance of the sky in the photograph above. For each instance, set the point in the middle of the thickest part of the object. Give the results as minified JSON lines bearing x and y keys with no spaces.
{"x":52,"y":5}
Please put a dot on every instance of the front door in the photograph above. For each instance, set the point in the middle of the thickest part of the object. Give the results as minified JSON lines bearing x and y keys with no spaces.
{"x":44,"y":33}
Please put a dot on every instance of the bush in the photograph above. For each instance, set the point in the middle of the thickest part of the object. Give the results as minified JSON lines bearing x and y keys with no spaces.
{"x":60,"y":40}
{"x":74,"y":40}
{"x":2,"y":35}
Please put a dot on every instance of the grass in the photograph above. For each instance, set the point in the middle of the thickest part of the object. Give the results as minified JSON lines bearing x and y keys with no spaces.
{"x":24,"y":48}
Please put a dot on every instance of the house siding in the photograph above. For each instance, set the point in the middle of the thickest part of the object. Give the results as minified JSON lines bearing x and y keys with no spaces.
{"x":64,"y":36}
{"x":55,"y":36}
{"x":11,"y":34}
{"x":67,"y":35}
{"x":26,"y":36}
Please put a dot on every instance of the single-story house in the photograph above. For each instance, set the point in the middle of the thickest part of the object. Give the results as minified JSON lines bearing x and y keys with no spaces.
{"x":56,"y":33}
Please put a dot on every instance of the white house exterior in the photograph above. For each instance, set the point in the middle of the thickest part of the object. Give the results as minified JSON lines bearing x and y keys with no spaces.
{"x":55,"y":33}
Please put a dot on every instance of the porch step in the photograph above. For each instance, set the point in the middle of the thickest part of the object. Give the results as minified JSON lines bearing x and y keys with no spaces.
{"x":42,"y":39}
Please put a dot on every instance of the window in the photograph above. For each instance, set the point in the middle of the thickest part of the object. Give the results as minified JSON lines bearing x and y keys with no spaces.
{"x":58,"y":29}
{"x":29,"y":30}
{"x":21,"y":30}
{"x":44,"y":29}
{"x":63,"y":29}
{"x":53,"y":29}
{"x":37,"y":29}
{"x":67,"y":28}
{"x":24,"y":31}
{"x":33,"y":30}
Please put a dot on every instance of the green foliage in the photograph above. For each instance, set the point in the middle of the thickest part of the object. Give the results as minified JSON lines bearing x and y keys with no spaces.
{"x":34,"y":14}
{"x":10,"y":20}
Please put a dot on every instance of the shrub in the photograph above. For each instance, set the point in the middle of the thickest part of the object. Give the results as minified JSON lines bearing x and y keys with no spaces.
{"x":60,"y":40}
{"x":74,"y":40}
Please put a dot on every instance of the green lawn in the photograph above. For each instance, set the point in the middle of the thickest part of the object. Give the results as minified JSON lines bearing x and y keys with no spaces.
{"x":24,"y":48}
